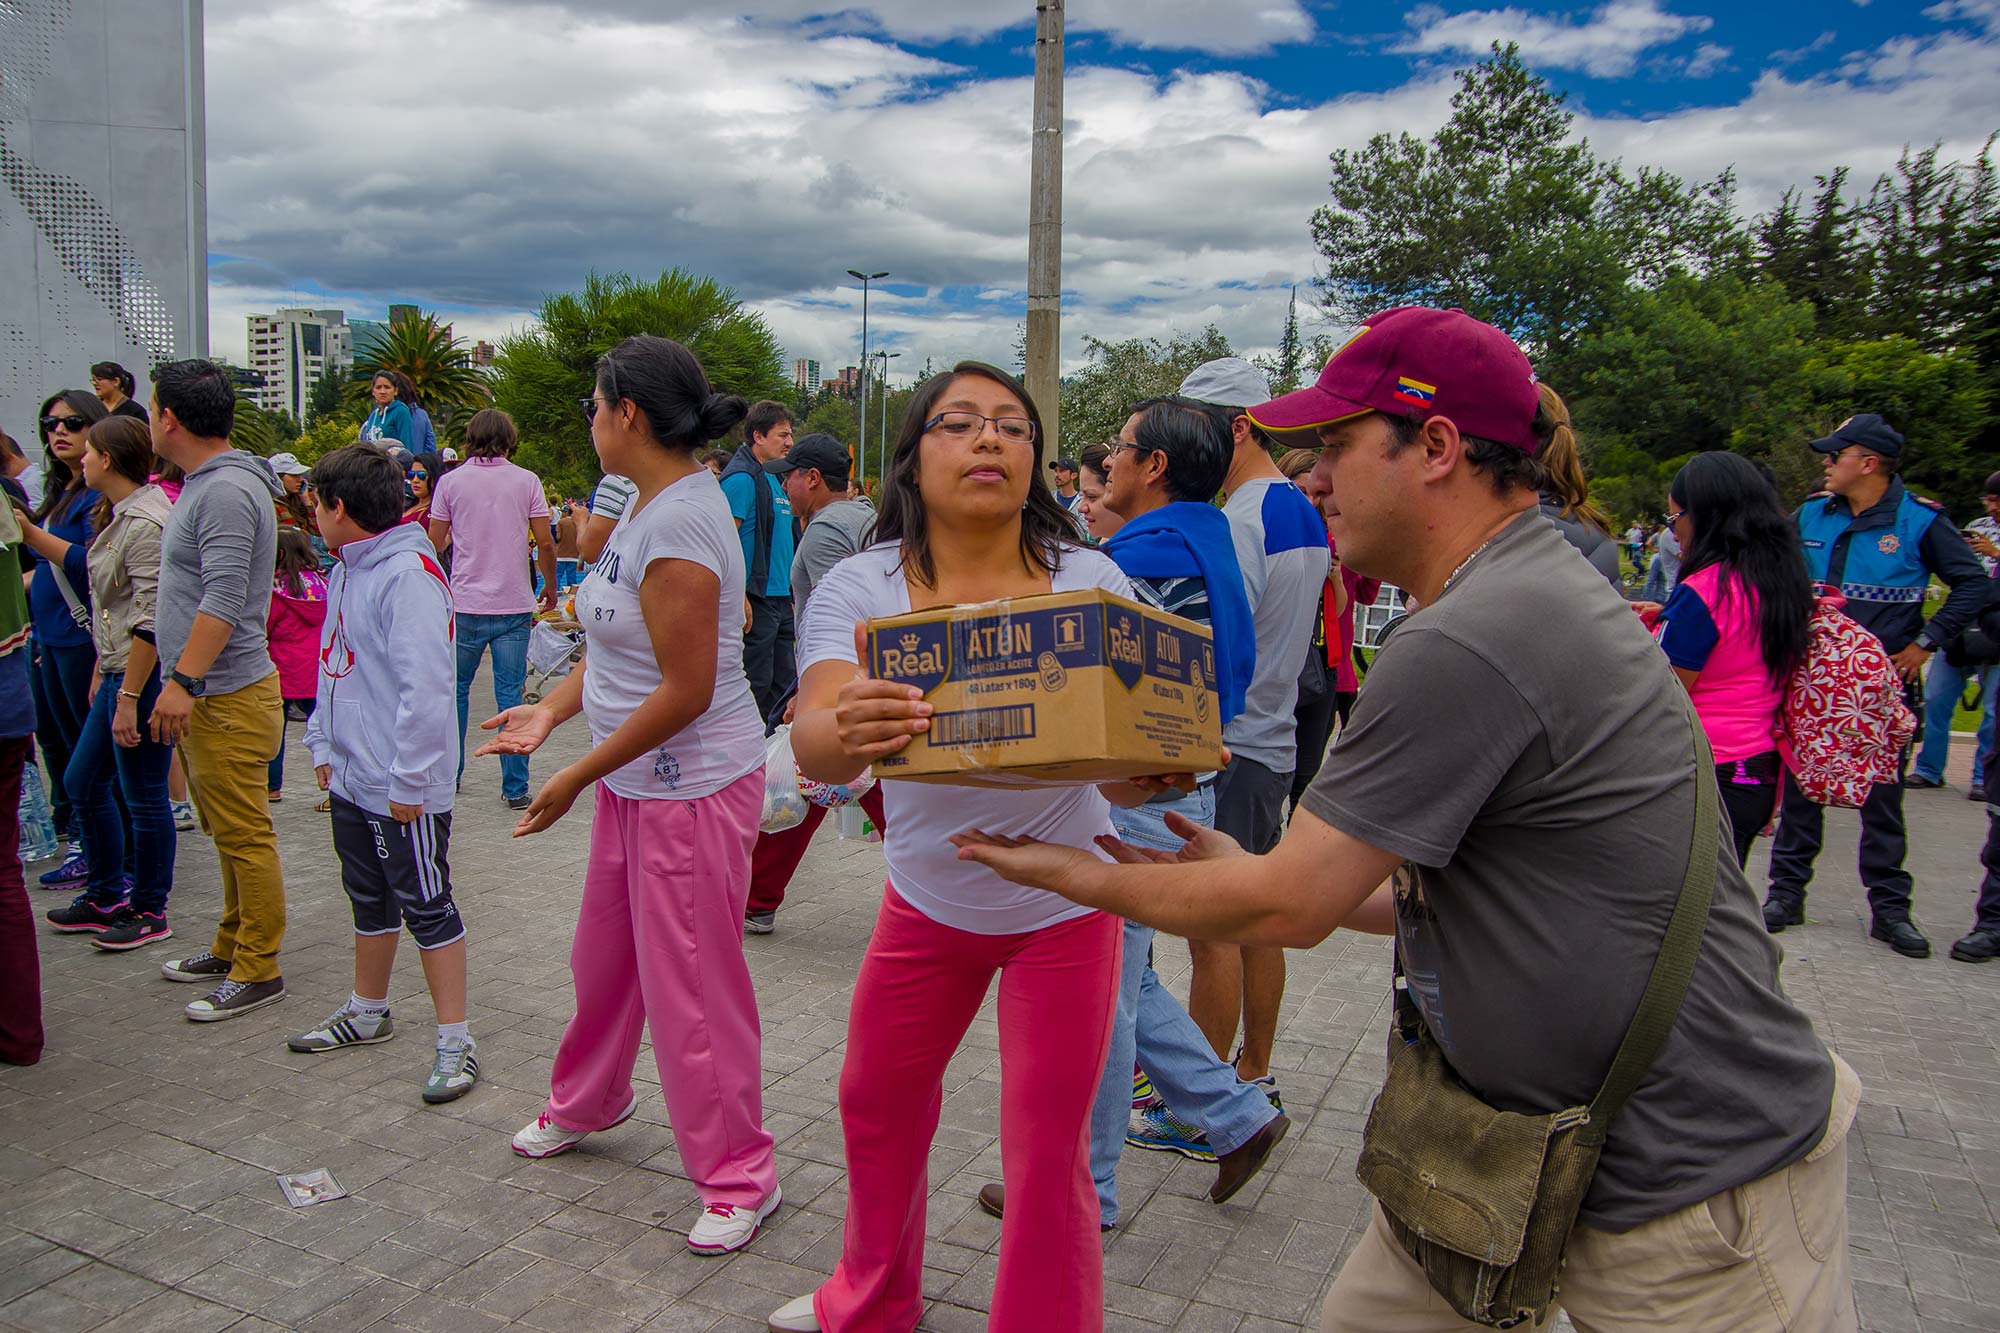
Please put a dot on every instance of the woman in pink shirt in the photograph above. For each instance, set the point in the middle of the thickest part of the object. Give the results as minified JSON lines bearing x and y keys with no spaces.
{"x":298,"y":610}
{"x":1735,"y":626}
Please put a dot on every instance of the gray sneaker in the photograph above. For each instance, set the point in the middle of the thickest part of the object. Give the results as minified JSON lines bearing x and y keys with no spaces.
{"x":203,"y":966}
{"x":233,"y":999}
{"x":346,"y":1026}
{"x":453,"y":1073}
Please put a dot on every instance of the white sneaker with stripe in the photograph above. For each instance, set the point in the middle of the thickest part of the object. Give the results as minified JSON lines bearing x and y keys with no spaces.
{"x":346,"y":1026}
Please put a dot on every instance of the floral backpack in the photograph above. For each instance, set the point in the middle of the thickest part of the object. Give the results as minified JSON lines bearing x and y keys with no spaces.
{"x":1844,"y":723}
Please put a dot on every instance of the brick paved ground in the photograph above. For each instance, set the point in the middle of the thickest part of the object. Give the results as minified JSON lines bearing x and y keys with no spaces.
{"x":137,"y":1161}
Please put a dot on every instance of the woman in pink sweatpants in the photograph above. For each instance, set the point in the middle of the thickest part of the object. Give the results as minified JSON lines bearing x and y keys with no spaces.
{"x":677,"y":762}
{"x":965,"y":516}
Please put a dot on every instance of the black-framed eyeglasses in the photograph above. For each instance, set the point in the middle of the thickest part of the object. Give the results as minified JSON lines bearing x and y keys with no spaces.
{"x":967,"y":425}
{"x":74,"y":423}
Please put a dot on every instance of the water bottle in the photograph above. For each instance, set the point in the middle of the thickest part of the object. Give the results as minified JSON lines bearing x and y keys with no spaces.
{"x":38,"y":828}
{"x":849,"y":823}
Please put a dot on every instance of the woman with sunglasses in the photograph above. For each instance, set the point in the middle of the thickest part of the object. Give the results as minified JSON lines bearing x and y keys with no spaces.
{"x":965,"y":517}
{"x":423,"y":476}
{"x":59,"y":603}
{"x":117,"y":775}
{"x":677,"y":763}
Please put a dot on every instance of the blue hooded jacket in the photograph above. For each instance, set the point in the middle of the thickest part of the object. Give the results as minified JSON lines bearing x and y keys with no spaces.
{"x":1190,"y":540}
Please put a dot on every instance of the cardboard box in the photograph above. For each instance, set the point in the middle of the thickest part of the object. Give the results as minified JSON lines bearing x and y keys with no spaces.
{"x":1069,"y":687}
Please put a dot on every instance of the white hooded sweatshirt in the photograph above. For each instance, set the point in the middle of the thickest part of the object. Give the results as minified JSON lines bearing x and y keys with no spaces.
{"x":388,"y":673}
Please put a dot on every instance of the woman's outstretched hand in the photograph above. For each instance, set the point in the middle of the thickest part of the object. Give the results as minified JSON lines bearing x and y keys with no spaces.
{"x":522,"y":730}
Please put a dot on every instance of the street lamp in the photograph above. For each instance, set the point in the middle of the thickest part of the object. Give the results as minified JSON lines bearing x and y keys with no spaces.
{"x":882,"y":458}
{"x":861,"y":450}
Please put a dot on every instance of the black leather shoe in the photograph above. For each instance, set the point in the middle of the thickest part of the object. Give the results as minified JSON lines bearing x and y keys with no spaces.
{"x":1976,"y":792}
{"x":1981,"y":946}
{"x":1781,"y":912}
{"x":1233,"y":1170}
{"x":1918,"y":782}
{"x":1901,"y":936}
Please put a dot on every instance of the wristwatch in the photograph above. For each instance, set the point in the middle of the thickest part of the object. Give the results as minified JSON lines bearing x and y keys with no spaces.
{"x":196,"y":686}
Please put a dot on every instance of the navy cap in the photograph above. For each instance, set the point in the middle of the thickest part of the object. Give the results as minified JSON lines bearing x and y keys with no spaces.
{"x":1869,"y":431}
{"x":822,"y":452}
{"x":1065,"y":464}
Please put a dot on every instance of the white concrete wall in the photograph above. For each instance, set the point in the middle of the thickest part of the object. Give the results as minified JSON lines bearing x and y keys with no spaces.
{"x":103,"y":223}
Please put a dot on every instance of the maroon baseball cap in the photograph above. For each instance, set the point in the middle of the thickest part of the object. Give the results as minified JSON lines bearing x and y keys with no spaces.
{"x":1434,"y":363}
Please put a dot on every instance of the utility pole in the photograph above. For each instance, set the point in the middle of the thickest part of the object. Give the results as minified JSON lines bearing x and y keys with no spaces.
{"x":882,"y":458}
{"x":1045,"y":226}
{"x":861,"y":438}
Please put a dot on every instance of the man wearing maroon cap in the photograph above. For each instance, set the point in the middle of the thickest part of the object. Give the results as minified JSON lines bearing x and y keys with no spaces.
{"x":1512,"y":800}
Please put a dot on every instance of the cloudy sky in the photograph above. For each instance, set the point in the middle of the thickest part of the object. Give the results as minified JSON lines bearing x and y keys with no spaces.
{"x":472,"y":155}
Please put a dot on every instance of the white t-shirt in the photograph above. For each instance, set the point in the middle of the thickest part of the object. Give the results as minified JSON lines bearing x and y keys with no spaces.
{"x":923,"y":865}
{"x":687,"y":521}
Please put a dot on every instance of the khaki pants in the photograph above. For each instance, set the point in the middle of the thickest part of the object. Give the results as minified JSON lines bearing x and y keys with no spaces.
{"x":227,"y":754}
{"x":1769,"y":1255}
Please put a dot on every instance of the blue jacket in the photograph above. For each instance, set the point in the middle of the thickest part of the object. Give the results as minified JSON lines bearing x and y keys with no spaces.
{"x":1190,"y":540}
{"x":1882,"y":560}
{"x":69,"y":520}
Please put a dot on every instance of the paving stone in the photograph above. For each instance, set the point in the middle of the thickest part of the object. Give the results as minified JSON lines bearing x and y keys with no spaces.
{"x":137,"y":1190}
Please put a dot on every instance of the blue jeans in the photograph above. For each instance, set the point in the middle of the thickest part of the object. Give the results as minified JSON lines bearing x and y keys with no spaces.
{"x":507,"y":636}
{"x":1151,"y":1027}
{"x":1943,"y":684}
{"x":113,"y":788}
{"x":61,"y":687}
{"x":306,"y":704}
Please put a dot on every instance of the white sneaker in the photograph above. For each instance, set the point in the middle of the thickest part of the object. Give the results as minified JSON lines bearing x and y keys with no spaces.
{"x":723,"y":1227}
{"x":545,"y":1138}
{"x":795,"y":1316}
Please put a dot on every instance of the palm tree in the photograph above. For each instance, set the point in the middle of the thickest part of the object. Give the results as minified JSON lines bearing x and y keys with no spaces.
{"x":451,"y":387}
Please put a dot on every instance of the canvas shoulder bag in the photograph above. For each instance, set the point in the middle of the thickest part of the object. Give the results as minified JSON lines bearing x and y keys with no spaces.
{"x":1484,"y":1199}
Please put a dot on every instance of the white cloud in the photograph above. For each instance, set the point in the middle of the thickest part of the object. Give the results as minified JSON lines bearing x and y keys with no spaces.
{"x":1984,"y":13}
{"x":1230,"y":26}
{"x":1605,"y":45}
{"x":1707,"y":58}
{"x":506,"y":150}
{"x":1794,"y":55}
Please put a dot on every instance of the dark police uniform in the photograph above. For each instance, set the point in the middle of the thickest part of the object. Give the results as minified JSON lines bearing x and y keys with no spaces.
{"x":1882,"y":560}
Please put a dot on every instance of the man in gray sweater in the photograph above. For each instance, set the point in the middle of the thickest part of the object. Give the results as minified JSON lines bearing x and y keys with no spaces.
{"x":221,"y":701}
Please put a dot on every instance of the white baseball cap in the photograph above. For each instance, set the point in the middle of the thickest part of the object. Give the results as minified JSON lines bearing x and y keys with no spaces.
{"x":288,"y":465}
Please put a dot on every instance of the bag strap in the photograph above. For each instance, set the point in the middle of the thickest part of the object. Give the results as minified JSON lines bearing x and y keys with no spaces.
{"x":76,"y":608}
{"x":1660,"y":1006}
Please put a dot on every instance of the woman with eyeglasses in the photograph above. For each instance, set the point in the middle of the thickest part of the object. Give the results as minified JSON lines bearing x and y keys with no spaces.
{"x":677,"y":763}
{"x":965,"y":517}
{"x":59,"y":604}
{"x":1735,"y":626}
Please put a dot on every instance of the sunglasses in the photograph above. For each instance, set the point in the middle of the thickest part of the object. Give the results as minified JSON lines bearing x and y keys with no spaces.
{"x":420,"y":475}
{"x":72,"y":423}
{"x":589,"y":406}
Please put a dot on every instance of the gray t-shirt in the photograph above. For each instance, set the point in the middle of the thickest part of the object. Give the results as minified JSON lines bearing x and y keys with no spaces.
{"x":216,"y":556}
{"x":833,"y":534}
{"x":1524,"y":745}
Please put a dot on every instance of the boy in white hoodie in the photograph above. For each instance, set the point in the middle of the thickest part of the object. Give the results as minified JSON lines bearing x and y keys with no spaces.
{"x":389,"y":755}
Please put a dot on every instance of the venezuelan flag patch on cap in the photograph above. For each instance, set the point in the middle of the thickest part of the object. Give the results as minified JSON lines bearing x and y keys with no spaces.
{"x":1414,"y":392}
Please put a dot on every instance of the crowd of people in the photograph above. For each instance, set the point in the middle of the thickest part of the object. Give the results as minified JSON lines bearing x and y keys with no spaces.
{"x":183,"y":600}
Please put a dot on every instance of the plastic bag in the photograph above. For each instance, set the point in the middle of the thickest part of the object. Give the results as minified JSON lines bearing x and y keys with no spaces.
{"x":38,"y":829}
{"x":784,"y":807}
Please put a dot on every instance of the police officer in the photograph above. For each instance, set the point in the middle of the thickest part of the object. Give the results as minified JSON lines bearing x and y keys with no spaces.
{"x":1879,"y":544}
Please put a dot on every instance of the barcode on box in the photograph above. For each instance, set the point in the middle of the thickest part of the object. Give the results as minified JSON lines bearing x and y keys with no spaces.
{"x":984,"y":726}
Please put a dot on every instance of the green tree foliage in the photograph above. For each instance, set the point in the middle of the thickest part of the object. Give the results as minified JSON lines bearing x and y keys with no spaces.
{"x":1097,"y":399}
{"x":328,"y":398}
{"x":330,"y":432}
{"x":1506,"y":215}
{"x":1285,"y":368}
{"x":543,"y":371}
{"x":254,"y":430}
